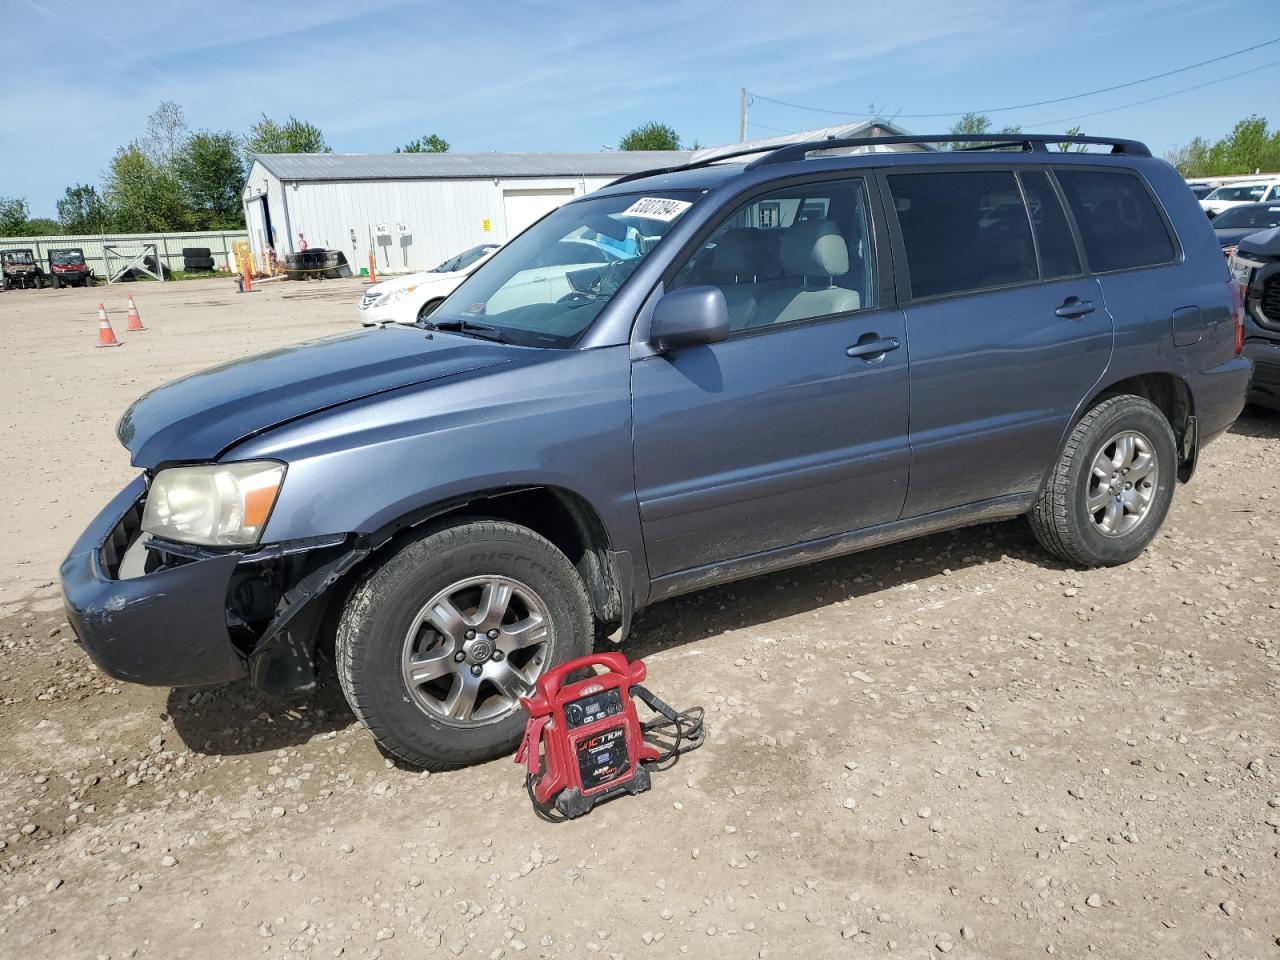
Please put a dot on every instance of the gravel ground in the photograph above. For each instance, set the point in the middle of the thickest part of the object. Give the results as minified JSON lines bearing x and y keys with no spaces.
{"x":949,"y":746}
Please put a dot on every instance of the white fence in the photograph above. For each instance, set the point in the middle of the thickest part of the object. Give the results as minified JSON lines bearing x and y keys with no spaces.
{"x":170,"y":245}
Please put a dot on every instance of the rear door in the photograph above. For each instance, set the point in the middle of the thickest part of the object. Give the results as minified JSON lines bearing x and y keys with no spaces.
{"x":1154,"y":295}
{"x":1007,"y":332}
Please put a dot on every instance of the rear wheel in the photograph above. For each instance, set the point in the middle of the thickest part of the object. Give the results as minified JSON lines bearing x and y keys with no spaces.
{"x":437,"y":645}
{"x":1112,"y":486}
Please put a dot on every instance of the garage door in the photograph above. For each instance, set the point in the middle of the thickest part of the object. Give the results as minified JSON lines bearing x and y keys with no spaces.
{"x":522,"y":207}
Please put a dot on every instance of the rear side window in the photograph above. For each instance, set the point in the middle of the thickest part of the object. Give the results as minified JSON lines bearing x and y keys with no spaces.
{"x":1119,"y":224}
{"x":963,"y":231}
{"x":1058,"y":257}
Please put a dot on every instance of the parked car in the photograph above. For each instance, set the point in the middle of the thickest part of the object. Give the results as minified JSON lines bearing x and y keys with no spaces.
{"x":1235,"y":194}
{"x":1201,"y":190}
{"x":718,"y":370}
{"x":411,"y":298}
{"x":1235,"y":224}
{"x":68,"y":269}
{"x":1256,"y":267}
{"x":20,"y":270}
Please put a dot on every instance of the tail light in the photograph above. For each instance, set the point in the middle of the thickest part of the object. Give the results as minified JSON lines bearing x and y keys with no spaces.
{"x":1237,"y":311}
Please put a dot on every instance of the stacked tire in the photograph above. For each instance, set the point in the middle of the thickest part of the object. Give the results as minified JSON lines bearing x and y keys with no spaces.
{"x":197,"y":260}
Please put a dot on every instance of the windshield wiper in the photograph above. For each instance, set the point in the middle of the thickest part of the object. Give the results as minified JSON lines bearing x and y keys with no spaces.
{"x":469,"y":328}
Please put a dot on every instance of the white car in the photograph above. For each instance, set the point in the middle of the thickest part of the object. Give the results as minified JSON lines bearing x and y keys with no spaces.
{"x":1233,"y":194}
{"x":410,"y":298}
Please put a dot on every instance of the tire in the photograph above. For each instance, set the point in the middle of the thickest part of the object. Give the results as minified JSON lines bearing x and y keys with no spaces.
{"x":1117,"y":530}
{"x":89,"y":281}
{"x":386,"y":620}
{"x":39,"y":282}
{"x":57,"y":283}
{"x":428,"y":308}
{"x":195,"y":253}
{"x":197,"y":263}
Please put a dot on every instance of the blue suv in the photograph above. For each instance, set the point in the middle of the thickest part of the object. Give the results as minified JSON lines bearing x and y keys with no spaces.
{"x":691,"y":376}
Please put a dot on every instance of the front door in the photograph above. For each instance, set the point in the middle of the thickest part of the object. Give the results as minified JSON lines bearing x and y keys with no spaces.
{"x":1008,"y":334}
{"x":795,"y":428}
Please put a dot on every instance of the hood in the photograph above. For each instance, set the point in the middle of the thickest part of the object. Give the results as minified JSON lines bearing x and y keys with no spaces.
{"x":1229,"y":236}
{"x":410,"y":280}
{"x":1264,"y":244}
{"x":198,"y":417}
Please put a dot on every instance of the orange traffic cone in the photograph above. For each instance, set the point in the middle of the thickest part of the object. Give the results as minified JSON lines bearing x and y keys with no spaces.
{"x":135,"y":321}
{"x":106,"y":336}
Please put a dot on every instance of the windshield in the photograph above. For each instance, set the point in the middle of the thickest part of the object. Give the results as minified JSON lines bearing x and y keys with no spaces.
{"x":546,"y":286}
{"x":465,"y":259}
{"x":1249,"y":191}
{"x":67,"y":258}
{"x":1260,"y":216}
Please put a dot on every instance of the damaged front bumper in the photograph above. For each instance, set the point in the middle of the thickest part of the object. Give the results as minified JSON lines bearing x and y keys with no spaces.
{"x":199,"y":616}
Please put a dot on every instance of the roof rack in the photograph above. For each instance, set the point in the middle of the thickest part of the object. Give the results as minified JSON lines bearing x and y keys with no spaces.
{"x":1030,"y":142}
{"x":693,"y":164}
{"x":783,"y":153}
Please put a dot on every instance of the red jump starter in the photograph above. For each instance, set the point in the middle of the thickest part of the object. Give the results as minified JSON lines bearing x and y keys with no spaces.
{"x":584,"y":743}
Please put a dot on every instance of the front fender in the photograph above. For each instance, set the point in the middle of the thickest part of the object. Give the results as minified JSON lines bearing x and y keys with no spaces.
{"x":562,"y":420}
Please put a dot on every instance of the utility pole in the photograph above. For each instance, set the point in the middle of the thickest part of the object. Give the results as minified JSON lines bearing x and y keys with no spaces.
{"x":742,"y":114}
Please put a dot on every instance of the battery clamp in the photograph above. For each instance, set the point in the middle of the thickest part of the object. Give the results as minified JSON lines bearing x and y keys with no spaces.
{"x":584,"y":742}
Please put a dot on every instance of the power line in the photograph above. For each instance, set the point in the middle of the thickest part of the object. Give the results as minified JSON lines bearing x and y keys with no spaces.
{"x":1163,"y":96}
{"x":1039,"y":103}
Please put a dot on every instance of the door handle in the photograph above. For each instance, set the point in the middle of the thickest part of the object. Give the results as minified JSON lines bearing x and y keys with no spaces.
{"x":1074,"y":308}
{"x":872,"y":346}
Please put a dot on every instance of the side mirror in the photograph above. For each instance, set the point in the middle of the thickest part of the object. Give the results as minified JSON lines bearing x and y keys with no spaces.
{"x":689,"y":317}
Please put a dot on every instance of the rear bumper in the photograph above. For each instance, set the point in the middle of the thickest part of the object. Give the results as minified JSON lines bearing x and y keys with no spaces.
{"x":1264,"y":386}
{"x":1219,"y":396}
{"x":167,"y":628}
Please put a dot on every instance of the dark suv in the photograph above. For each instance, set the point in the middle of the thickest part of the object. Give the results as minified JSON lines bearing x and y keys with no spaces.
{"x":1256,"y":266}
{"x":688,"y":377}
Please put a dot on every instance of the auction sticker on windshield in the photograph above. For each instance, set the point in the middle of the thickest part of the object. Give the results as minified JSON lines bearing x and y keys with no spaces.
{"x":656,"y":208}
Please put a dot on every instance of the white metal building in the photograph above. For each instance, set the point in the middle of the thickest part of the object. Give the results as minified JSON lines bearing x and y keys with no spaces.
{"x":417,"y":209}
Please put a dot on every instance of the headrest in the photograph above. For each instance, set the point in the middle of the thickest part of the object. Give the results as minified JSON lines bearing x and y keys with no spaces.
{"x":739,"y":252}
{"x":813,"y":248}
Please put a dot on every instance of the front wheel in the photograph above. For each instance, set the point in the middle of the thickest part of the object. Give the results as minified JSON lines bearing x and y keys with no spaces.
{"x":1112,"y":486}
{"x":437,"y":645}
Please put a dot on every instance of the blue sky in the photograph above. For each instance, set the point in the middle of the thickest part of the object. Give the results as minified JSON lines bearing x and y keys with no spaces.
{"x":574,"y":75}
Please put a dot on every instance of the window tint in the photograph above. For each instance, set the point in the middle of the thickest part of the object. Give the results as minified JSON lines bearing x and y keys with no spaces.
{"x":963,"y":231}
{"x":1058,"y":257}
{"x":791,"y":255}
{"x":1118,"y":221}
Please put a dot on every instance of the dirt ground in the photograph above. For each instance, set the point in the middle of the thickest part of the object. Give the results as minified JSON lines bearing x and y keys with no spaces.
{"x":949,"y":746}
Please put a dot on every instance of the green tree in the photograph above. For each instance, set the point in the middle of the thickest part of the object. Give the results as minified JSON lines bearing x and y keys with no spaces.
{"x":41,"y":227}
{"x":1192,"y":159}
{"x":1068,"y":147}
{"x":13,"y":216}
{"x":144,"y":196}
{"x":975,"y":123}
{"x":431,"y":143}
{"x":651,"y":136}
{"x":292,"y":136}
{"x":211,"y":173}
{"x":81,"y":210}
{"x":166,"y":133}
{"x":1249,"y":148}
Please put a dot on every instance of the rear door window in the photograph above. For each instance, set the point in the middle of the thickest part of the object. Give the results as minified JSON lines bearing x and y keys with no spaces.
{"x":1120,"y":226}
{"x":1058,"y":256}
{"x":963,"y":231}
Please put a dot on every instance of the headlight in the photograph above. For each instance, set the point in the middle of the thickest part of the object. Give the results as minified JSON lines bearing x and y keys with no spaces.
{"x":222,"y":504}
